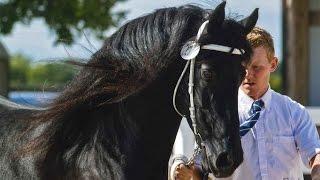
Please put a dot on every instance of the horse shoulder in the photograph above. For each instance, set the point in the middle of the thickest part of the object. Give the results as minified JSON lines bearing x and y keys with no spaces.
{"x":12,"y":117}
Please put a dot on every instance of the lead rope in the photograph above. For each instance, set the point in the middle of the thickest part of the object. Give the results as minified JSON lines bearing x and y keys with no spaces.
{"x":196,"y":152}
{"x":190,"y":90}
{"x":176,"y":89}
{"x":189,"y":52}
{"x":194,"y":49}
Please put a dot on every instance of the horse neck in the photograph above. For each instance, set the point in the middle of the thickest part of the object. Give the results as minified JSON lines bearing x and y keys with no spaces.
{"x":136,"y":134}
{"x":156,"y":124}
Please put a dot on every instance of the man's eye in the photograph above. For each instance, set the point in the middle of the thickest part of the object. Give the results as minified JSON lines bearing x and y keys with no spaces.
{"x":207,"y":74}
{"x":256,"y":68}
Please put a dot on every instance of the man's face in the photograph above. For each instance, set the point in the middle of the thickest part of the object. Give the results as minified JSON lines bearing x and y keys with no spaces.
{"x":256,"y":81}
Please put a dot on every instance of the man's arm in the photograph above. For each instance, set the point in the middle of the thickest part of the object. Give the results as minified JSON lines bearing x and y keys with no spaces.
{"x":315,"y":167}
{"x":305,"y":134}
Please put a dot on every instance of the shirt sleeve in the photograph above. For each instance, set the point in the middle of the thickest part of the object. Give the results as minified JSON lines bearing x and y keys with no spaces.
{"x":176,"y":160}
{"x":306,"y":135}
{"x":183,"y":147}
{"x":185,"y":142}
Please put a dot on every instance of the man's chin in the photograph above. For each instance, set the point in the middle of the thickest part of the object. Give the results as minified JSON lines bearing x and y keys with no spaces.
{"x":248,"y":89}
{"x":248,"y":85}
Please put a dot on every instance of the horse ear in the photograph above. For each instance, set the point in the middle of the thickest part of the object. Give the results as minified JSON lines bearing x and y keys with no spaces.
{"x":249,"y":22}
{"x":217,"y":17}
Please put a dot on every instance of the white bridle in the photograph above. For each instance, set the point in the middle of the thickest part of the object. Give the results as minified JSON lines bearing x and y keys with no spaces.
{"x":189,"y":52}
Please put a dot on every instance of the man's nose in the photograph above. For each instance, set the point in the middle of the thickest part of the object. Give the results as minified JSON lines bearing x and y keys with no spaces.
{"x":248,"y":73}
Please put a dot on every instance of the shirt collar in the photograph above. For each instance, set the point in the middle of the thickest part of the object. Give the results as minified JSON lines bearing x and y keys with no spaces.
{"x":244,"y":99}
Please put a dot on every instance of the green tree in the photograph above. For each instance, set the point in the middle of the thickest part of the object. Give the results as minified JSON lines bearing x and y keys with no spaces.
{"x":276,"y":82}
{"x":25,"y":75}
{"x":276,"y":79}
{"x":51,"y":76}
{"x":19,"y":68}
{"x":67,"y":18}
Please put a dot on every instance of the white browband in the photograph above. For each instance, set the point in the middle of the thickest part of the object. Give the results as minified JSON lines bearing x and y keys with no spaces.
{"x":221,"y":48}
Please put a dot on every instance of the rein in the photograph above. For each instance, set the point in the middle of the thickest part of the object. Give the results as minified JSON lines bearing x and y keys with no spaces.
{"x":189,"y":52}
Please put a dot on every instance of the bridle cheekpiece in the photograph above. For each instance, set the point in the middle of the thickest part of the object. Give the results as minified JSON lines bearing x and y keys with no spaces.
{"x":189,"y":52}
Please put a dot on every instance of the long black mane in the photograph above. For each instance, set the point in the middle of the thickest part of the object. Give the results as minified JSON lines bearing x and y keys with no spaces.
{"x":88,"y":131}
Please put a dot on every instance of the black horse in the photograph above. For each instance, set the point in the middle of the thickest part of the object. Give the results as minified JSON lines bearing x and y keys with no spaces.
{"x":116,"y":120}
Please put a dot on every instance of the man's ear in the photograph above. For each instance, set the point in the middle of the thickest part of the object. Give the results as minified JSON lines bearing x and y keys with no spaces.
{"x":274,"y":64}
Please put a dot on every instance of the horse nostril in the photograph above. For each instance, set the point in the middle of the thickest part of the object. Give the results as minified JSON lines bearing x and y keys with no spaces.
{"x":224,"y":161}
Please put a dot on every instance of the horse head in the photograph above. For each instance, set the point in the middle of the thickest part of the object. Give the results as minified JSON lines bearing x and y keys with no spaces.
{"x":219,"y":51}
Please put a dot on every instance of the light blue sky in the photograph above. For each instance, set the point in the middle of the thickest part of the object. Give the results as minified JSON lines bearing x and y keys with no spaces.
{"x":36,"y":40}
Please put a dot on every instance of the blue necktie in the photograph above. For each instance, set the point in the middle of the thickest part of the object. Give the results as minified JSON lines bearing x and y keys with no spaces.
{"x":254,"y":113}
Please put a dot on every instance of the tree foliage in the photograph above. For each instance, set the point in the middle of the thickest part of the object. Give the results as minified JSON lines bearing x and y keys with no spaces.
{"x":67,"y":18}
{"x":20,"y":67}
{"x":51,"y":73}
{"x":25,"y":75}
{"x":276,"y":80}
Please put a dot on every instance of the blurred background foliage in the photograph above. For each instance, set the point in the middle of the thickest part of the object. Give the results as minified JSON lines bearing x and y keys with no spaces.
{"x":276,"y":80}
{"x":27,"y":75}
{"x":66,"y":18}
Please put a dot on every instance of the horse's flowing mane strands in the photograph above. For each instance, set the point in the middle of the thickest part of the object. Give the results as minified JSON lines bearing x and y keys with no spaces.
{"x":116,"y":120}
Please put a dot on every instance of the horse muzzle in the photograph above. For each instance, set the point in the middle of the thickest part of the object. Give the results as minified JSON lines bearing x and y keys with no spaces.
{"x":222,"y":163}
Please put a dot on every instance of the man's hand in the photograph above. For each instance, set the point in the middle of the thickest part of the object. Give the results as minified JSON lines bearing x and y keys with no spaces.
{"x":184,"y":172}
{"x":315,"y":165}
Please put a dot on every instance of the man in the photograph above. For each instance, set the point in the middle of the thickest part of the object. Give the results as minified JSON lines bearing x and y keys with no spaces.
{"x":282,"y":132}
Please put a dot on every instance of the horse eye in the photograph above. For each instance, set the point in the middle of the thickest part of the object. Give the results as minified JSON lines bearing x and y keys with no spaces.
{"x":207,"y":74}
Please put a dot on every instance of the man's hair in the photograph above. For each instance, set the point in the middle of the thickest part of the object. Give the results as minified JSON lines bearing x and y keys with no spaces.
{"x":260,"y":37}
